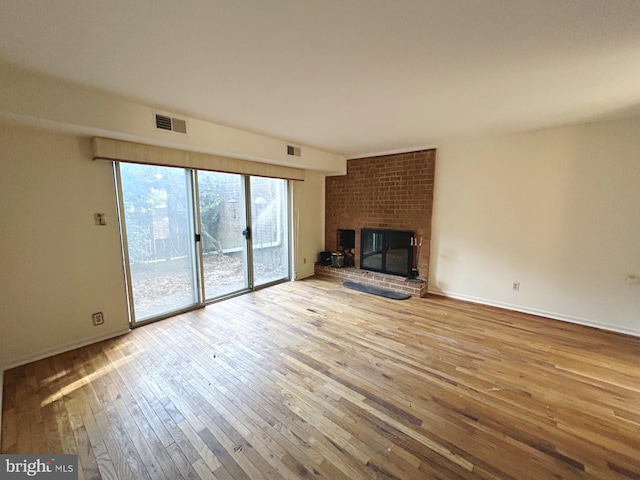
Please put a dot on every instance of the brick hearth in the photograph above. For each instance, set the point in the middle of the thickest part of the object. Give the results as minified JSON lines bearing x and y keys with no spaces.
{"x":382,"y":280}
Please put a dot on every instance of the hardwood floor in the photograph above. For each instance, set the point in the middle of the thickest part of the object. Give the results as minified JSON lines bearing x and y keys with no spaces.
{"x":311,"y":380}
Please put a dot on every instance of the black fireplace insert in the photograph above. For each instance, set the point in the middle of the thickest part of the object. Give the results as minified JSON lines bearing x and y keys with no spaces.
{"x":386,"y":251}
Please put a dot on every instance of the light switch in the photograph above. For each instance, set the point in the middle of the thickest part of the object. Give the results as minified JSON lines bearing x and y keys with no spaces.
{"x":100,"y":219}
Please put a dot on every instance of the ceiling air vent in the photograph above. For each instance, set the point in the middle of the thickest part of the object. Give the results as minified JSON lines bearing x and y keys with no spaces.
{"x":293,"y":151}
{"x":171,"y":124}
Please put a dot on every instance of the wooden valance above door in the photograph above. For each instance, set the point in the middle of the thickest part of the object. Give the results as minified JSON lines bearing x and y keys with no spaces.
{"x":121,"y":151}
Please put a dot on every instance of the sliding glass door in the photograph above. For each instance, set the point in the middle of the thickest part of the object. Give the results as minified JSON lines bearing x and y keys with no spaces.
{"x":270,"y":232}
{"x":192,"y":237}
{"x":223,"y":219}
{"x":158,"y":213}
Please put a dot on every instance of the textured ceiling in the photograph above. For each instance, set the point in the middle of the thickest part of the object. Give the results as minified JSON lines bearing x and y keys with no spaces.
{"x":353,"y":77}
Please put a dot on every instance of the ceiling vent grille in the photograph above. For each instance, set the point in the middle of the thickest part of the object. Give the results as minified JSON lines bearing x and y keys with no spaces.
{"x":170,"y":124}
{"x":293,"y":151}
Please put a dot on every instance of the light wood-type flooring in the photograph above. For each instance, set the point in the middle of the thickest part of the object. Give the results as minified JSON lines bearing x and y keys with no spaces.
{"x":310,"y":380}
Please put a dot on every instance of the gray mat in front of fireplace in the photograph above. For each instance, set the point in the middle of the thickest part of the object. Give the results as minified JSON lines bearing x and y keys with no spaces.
{"x":381,"y":292}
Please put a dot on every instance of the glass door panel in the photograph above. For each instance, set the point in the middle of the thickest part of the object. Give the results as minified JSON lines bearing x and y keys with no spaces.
{"x":223,"y":219}
{"x":269,"y":230}
{"x":158,"y":213}
{"x":372,"y":247}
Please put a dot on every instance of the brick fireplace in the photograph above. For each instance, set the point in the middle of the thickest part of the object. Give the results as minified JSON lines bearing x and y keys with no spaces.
{"x":391,"y":192}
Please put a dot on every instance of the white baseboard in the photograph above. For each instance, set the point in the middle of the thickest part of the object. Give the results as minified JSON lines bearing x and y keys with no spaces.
{"x":302,"y":277}
{"x":542,"y":313}
{"x":16,"y":362}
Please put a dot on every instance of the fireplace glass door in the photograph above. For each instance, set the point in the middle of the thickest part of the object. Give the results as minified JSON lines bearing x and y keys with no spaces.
{"x":386,"y":251}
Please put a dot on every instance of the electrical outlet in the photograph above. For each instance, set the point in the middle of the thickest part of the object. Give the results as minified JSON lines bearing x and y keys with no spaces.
{"x":515,"y":287}
{"x":98,"y":318}
{"x":304,"y":260}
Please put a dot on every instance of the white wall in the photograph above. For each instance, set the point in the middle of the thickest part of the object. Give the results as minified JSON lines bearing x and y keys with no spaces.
{"x":56,"y":267}
{"x":36,"y":100}
{"x":308,"y":223}
{"x":557,"y":210}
